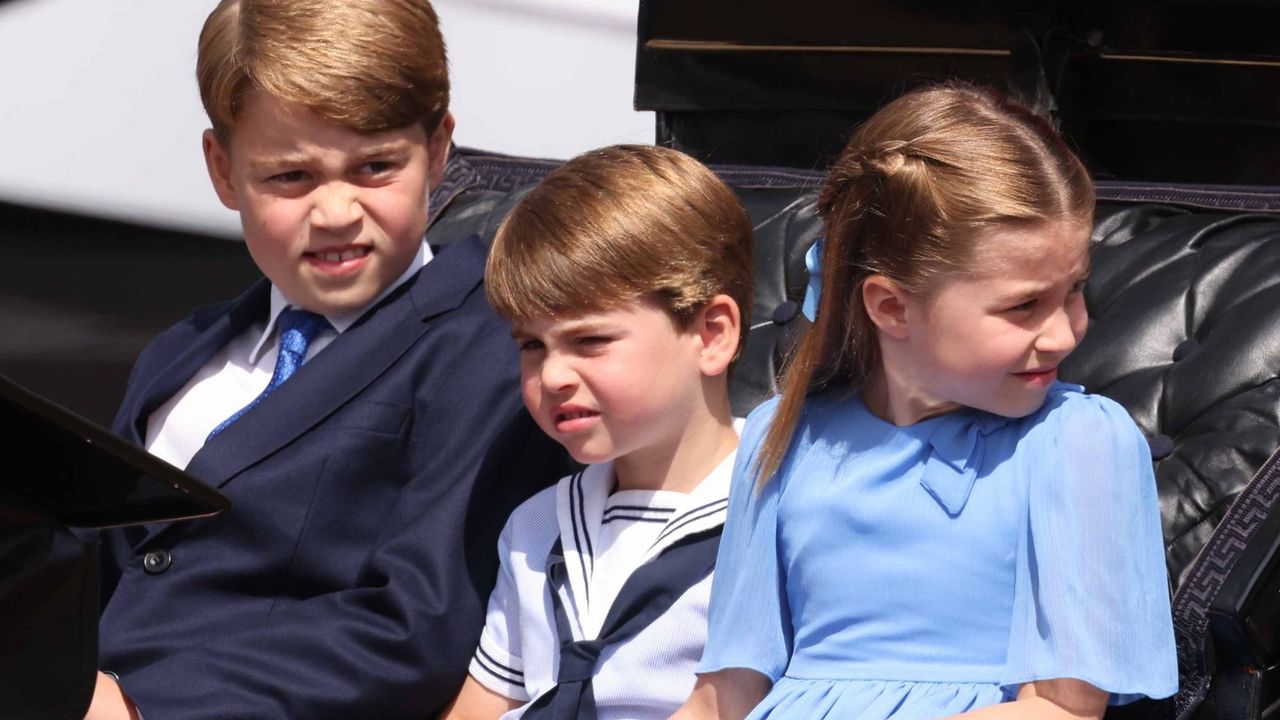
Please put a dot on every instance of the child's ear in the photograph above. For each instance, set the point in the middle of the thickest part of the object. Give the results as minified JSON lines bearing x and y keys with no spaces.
{"x":886,"y":304}
{"x":438,"y":150}
{"x":718,"y":326}
{"x":218,"y":161}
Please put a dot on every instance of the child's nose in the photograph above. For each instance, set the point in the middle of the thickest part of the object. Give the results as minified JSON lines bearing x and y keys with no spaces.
{"x":1063,"y":330}
{"x":335,"y":205}
{"x":557,"y":373}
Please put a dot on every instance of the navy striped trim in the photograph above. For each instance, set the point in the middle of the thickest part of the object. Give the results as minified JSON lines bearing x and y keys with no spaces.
{"x":638,"y":508}
{"x":693,"y":515}
{"x":497,"y":669}
{"x":637,"y":518}
{"x":579,"y":520}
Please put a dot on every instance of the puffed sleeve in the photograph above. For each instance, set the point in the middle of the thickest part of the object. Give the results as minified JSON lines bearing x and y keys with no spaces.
{"x":750,"y":622}
{"x":1092,"y":594}
{"x":497,"y":663}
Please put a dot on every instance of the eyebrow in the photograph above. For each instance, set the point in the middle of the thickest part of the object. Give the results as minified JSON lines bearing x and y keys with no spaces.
{"x":1034,"y":288}
{"x":272,"y":162}
{"x":284,"y":159}
{"x":583,"y":327}
{"x":394,"y":147}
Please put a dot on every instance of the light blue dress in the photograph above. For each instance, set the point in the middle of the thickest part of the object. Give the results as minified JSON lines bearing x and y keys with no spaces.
{"x":924,"y":571}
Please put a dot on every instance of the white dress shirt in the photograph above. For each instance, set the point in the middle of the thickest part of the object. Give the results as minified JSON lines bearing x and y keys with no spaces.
{"x":238,"y":373}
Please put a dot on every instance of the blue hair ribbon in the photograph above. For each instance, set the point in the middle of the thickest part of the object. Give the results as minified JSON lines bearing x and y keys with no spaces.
{"x":813,"y":292}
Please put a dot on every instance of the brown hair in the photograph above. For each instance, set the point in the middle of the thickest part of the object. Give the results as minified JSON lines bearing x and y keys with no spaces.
{"x":916,"y":184}
{"x":370,"y":65}
{"x":618,"y":224}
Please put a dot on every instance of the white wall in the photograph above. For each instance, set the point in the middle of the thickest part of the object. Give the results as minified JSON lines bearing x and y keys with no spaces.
{"x":546,"y":78}
{"x":99,"y":111}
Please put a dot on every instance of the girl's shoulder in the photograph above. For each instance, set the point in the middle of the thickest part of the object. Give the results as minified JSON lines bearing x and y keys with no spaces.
{"x":1074,"y":424}
{"x":763,"y":414}
{"x":753,"y":430}
{"x":820,"y":412}
{"x":1068,"y":408}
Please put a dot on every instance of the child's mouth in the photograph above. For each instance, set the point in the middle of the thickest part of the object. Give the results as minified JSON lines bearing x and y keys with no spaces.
{"x":1039,"y":377}
{"x":341,"y":259}
{"x":575,"y":420}
{"x":343,"y":256}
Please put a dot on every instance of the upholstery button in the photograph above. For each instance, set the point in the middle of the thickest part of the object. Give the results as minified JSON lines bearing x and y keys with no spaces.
{"x":785,"y":312}
{"x":1185,"y":348}
{"x":156,"y":561}
{"x":1161,"y":446}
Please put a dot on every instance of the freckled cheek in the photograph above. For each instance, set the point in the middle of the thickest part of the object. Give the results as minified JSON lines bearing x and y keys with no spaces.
{"x":530,"y":388}
{"x":399,"y":215}
{"x":278,"y":222}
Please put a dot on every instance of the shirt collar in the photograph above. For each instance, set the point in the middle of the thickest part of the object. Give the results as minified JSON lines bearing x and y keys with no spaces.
{"x":339,"y":321}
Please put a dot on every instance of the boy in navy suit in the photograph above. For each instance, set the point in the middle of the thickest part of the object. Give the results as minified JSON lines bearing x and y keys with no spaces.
{"x":358,"y":406}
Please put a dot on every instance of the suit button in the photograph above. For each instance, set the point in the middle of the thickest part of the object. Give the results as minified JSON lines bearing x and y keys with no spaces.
{"x":156,"y":561}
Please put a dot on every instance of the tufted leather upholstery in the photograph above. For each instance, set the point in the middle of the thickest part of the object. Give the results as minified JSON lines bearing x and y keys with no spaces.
{"x":1185,"y":333}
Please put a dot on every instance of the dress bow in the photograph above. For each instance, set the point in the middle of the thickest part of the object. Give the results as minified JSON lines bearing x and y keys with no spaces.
{"x":955,"y":457}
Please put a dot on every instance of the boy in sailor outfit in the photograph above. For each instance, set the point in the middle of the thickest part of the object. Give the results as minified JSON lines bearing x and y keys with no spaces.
{"x":626,"y":274}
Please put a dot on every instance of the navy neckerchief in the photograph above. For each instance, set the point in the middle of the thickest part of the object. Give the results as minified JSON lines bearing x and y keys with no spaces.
{"x":650,"y":591}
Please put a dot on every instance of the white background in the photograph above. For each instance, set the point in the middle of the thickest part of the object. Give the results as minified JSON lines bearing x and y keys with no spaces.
{"x":99,"y":111}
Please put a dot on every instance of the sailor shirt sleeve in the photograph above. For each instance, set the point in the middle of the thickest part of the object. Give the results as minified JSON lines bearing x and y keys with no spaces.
{"x":497,"y":664}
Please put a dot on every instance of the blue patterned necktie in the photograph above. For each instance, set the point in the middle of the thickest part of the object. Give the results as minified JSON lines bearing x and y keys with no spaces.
{"x":297,"y":329}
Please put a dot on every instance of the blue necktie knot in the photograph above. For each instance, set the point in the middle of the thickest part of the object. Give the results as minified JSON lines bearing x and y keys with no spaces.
{"x":297,"y":329}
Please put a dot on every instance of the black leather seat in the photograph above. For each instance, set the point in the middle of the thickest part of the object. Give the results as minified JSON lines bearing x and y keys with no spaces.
{"x":1185,"y":333}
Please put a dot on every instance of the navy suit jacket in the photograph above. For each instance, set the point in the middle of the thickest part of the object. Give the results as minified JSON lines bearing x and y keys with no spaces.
{"x":349,"y":578}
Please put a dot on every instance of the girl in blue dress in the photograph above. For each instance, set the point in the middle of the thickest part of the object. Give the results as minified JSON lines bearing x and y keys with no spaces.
{"x":926,"y":523}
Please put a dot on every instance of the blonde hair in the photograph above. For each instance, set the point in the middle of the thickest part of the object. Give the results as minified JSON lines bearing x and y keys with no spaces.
{"x":619,"y":224}
{"x":916,"y":184}
{"x":369,"y":65}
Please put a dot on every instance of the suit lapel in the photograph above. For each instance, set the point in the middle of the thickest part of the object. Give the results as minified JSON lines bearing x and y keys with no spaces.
{"x":208,"y":332}
{"x":352,"y":361}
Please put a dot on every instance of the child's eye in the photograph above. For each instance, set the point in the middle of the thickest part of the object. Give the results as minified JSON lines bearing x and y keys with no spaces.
{"x":1078,"y":286}
{"x":594,"y":342}
{"x":287,"y":177}
{"x":1022,"y":306}
{"x":529,"y":345}
{"x":377,"y":167}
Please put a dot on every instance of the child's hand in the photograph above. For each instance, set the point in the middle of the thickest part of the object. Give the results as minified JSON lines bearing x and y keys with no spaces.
{"x":1067,"y":696}
{"x":728,"y":694}
{"x":477,"y":702}
{"x":109,"y":701}
{"x":1059,"y":699}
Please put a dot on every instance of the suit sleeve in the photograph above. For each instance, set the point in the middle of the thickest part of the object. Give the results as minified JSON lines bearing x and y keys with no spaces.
{"x":396,"y":642}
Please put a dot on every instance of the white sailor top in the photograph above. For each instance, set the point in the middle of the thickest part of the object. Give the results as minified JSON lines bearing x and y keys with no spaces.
{"x":650,"y":673}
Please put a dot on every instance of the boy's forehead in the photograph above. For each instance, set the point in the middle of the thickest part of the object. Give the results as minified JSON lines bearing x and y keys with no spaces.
{"x":619,"y":314}
{"x":568,"y":319}
{"x":559,"y":322}
{"x":269,"y":125}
